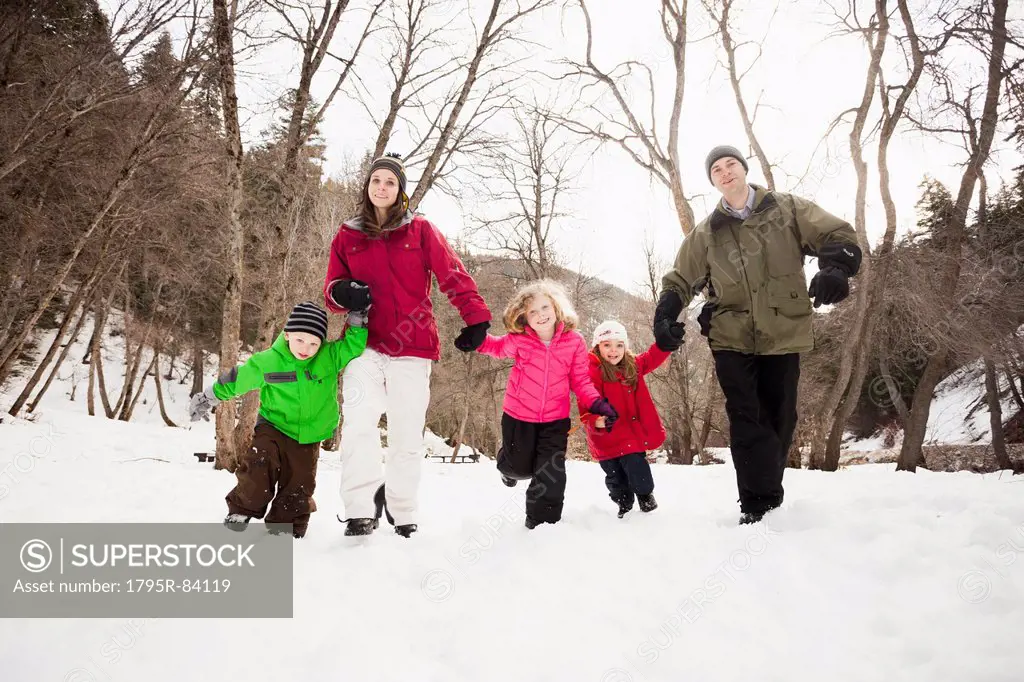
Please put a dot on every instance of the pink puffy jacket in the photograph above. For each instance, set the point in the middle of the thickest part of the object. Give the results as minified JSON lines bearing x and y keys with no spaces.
{"x":542,"y":376}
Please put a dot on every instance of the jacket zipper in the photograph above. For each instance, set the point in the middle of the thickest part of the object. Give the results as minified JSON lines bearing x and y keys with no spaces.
{"x":544,"y":391}
{"x":750,"y":292}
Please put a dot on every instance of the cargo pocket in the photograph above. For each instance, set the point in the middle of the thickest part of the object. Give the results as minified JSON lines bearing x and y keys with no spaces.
{"x":790,"y":324}
{"x":731,"y":330}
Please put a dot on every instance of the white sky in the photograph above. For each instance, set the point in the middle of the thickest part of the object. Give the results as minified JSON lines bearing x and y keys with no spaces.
{"x":804,"y":81}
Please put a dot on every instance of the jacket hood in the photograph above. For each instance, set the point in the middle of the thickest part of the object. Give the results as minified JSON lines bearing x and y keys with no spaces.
{"x":356,"y":222}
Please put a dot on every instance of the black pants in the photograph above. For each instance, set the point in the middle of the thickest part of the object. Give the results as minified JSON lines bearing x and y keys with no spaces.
{"x":628,"y":476}
{"x":536,"y":451}
{"x":760,"y":401}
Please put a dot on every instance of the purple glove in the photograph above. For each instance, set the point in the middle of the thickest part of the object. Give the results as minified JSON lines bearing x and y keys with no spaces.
{"x":602,"y":407}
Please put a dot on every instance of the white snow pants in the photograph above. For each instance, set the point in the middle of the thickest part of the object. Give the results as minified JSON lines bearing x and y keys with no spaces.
{"x":372,"y":384}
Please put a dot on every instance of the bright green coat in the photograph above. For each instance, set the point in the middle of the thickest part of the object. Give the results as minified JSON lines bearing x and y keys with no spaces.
{"x":298,"y":397}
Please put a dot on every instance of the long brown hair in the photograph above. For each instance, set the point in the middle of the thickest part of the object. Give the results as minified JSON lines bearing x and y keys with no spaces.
{"x":368,"y":212}
{"x":626,"y":371}
{"x":515,"y":311}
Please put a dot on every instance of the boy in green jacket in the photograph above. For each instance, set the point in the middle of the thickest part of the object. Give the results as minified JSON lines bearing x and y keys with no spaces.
{"x":298,"y":382}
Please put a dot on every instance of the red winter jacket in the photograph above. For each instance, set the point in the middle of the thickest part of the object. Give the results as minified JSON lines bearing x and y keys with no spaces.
{"x":638,"y":428}
{"x":397,"y":266}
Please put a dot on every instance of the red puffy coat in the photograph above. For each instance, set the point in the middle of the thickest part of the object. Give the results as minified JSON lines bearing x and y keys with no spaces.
{"x":397,"y":266}
{"x":638,"y":428}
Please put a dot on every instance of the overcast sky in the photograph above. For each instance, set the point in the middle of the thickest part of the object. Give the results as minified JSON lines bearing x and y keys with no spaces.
{"x":804,"y":80}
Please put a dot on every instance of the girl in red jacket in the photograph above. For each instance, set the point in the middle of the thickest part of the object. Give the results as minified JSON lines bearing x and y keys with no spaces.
{"x":394,"y":253}
{"x":550,"y":361}
{"x":622,"y":453}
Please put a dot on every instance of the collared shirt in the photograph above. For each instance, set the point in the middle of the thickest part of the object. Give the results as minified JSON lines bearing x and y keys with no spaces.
{"x":746,"y":211}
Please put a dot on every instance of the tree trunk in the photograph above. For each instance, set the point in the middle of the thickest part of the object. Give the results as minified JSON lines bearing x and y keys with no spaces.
{"x":464,"y":417}
{"x":60,"y":360}
{"x":950,"y":276}
{"x":232,"y":316}
{"x":911,"y":455}
{"x":854,"y":340}
{"x":33,"y":381}
{"x":846,"y":408}
{"x":198,"y":363}
{"x":130,"y":408}
{"x":1013,"y":389}
{"x":81,"y":297}
{"x":96,"y":364}
{"x":995,"y":411}
{"x":159,"y":391}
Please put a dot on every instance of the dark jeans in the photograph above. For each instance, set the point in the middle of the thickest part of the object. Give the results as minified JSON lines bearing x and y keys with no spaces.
{"x":628,"y":476}
{"x":760,"y":401}
{"x":536,"y":451}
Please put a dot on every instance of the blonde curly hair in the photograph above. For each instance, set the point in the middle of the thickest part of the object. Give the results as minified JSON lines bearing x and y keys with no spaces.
{"x":515,"y":311}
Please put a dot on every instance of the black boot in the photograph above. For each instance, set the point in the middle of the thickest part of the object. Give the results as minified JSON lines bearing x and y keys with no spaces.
{"x":359,"y":526}
{"x":647,"y":503}
{"x":510,"y":482}
{"x":406,"y":530}
{"x":380,"y":501}
{"x":625,"y":502}
{"x":236,"y":522}
{"x":751,"y":517}
{"x":531,"y":523}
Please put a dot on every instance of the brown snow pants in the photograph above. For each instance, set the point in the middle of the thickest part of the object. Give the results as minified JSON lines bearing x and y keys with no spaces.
{"x":276,"y":461}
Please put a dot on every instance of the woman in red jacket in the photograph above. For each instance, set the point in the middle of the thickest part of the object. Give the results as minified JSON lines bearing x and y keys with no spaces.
{"x":392,"y":252}
{"x":622,"y":453}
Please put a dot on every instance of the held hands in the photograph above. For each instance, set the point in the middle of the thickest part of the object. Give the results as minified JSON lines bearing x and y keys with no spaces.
{"x":607,"y":413}
{"x":351,"y":294}
{"x":201,"y":404}
{"x":472,"y":337}
{"x":668,"y":333}
{"x":829,"y":285}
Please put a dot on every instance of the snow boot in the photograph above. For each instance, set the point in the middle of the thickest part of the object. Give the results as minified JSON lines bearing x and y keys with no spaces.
{"x":751,"y":517}
{"x":647,"y":503}
{"x":510,"y":482}
{"x":275,"y":531}
{"x":381,"y":503}
{"x":531,"y":523}
{"x":406,"y":530}
{"x":236,"y":522}
{"x":359,"y":526}
{"x":625,"y":503}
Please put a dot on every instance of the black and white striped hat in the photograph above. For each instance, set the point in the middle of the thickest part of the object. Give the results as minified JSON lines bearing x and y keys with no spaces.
{"x":308,"y":317}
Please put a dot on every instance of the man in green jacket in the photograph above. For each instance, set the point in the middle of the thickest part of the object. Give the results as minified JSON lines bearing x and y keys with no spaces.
{"x":297,"y":378}
{"x":749,"y":254}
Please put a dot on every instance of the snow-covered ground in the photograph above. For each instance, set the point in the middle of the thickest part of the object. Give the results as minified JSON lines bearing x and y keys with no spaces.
{"x":864,"y":574}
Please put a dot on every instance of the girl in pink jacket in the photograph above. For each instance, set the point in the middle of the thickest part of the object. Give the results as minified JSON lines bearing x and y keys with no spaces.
{"x":550,"y":360}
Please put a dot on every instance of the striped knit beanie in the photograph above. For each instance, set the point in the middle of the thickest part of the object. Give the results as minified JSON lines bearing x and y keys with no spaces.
{"x":308,"y":317}
{"x":391,"y":161}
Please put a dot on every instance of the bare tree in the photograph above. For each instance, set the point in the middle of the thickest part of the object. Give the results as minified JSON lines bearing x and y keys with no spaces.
{"x":989,"y":29}
{"x":720,"y":12}
{"x":524,"y":182}
{"x":174,"y":89}
{"x":224,"y":25}
{"x":635,"y":133}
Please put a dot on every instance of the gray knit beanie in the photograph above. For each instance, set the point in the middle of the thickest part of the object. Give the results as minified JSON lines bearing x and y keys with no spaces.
{"x":720,"y":152}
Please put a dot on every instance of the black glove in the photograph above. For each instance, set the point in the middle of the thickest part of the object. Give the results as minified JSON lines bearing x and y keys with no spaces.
{"x":604,"y":408}
{"x":668,"y":334}
{"x":829,"y":285}
{"x":351,"y":294}
{"x":470,"y":338}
